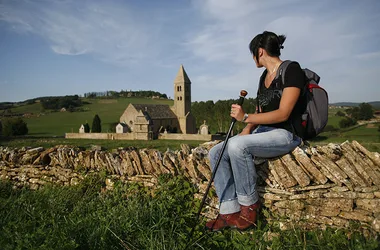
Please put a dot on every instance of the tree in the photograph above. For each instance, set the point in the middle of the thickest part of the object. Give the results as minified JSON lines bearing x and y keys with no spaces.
{"x":363,"y":112}
{"x":366,"y":111}
{"x":96,"y":125}
{"x":12,"y":127}
{"x":86,"y":128}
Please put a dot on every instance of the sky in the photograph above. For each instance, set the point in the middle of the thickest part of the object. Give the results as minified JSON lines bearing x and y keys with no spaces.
{"x":68,"y":47}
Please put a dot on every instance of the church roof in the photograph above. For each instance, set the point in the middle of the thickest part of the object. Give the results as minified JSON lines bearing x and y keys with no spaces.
{"x":156,"y":111}
{"x":182,"y":76}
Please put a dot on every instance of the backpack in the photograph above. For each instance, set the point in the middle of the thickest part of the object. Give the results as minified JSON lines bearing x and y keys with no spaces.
{"x":315,"y":116}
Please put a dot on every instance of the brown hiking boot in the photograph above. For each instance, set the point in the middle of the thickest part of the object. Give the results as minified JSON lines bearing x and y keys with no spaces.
{"x":223,"y":221}
{"x":248,"y":216}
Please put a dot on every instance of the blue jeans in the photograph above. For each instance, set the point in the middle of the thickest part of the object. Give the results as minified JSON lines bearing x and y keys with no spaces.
{"x":235,"y":178}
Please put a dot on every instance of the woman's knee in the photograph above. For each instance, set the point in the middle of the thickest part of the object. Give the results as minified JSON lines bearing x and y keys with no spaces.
{"x":214,"y":152}
{"x":235,"y":147}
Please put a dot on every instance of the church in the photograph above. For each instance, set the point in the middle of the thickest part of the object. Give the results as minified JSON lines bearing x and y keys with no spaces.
{"x":147,"y":121}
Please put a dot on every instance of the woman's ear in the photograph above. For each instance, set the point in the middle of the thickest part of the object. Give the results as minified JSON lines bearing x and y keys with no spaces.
{"x":261,"y":52}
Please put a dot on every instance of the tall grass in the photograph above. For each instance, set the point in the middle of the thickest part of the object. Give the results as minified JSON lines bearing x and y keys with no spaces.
{"x":135,"y":217}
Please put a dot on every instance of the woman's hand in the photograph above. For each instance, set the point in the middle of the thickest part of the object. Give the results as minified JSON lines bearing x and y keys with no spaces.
{"x":237,"y":112}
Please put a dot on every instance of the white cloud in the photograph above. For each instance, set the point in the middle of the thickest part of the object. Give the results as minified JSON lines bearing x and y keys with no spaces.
{"x":110,"y":31}
{"x":320,"y":35}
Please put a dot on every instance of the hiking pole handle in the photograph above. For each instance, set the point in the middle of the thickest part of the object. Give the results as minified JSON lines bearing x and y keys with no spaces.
{"x":243,"y":93}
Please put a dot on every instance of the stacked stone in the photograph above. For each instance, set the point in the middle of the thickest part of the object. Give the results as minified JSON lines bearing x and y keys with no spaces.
{"x":323,"y":186}
{"x":34,"y":176}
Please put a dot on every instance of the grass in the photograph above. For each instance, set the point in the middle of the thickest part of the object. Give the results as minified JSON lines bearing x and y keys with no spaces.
{"x":133,"y":217}
{"x":367,"y":135}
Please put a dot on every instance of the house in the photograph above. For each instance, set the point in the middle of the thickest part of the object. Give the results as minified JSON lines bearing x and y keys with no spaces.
{"x":122,"y":128}
{"x":81,"y":129}
{"x":148,"y":120}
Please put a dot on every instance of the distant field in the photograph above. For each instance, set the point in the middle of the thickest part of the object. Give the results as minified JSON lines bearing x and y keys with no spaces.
{"x":59,"y":123}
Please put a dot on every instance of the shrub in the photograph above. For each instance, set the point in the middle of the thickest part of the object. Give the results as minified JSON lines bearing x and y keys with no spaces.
{"x":340,"y":113}
{"x":329,"y":128}
{"x":12,"y":127}
{"x":346,"y":122}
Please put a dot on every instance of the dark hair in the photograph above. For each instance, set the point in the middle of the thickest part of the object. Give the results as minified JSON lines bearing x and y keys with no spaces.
{"x":268,"y":41}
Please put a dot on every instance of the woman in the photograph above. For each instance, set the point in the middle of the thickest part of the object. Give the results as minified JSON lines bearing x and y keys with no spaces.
{"x":268,"y":133}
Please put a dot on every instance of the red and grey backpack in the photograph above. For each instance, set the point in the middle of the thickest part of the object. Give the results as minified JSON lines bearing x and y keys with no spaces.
{"x":315,"y":117}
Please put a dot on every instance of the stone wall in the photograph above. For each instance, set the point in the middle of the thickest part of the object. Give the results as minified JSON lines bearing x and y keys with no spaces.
{"x":100,"y":136}
{"x":136,"y":136}
{"x":194,"y":137}
{"x":311,"y":187}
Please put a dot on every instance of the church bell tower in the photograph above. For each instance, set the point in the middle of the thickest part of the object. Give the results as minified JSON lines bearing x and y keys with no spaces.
{"x":182,"y":102}
{"x":182,"y":93}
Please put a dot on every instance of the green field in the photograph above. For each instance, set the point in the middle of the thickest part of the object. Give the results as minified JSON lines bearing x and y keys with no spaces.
{"x":47,"y":128}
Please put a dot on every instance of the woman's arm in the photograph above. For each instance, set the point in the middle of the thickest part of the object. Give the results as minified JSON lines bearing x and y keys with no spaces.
{"x":288,"y":101}
{"x":248,"y":129}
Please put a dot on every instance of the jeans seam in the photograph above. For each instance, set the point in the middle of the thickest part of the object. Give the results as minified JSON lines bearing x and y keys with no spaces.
{"x":246,"y":155}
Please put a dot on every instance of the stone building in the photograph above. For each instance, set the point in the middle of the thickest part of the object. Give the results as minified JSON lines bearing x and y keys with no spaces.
{"x":146,"y":121}
{"x":81,"y":129}
{"x":203,"y":129}
{"x":121,"y":128}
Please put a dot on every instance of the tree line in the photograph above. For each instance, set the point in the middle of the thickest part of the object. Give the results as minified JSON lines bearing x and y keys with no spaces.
{"x":125,"y":93}
{"x":217,"y":115}
{"x":69,"y":102}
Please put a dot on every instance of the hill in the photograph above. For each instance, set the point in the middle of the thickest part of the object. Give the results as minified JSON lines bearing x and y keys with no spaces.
{"x":375,"y":104}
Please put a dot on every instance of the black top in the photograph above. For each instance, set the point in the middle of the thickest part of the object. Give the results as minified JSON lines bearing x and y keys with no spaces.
{"x":269,"y":98}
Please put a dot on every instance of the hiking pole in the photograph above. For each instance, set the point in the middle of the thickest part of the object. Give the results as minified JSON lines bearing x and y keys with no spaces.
{"x":243,"y":93}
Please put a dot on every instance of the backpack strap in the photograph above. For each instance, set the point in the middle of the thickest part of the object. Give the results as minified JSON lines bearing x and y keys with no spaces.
{"x":281,"y":74}
{"x":281,"y":70}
